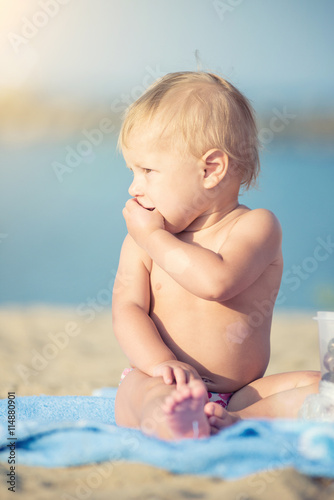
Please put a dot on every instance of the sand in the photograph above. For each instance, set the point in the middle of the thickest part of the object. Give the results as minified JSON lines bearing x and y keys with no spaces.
{"x":54,"y":351}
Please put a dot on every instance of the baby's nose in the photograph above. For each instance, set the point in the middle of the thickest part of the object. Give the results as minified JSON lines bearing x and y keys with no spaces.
{"x":135,"y":189}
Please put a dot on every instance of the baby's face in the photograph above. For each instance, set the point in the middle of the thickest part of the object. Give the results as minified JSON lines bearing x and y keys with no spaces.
{"x":166,"y":180}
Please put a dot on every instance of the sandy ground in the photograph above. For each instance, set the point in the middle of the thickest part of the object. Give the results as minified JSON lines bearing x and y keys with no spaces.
{"x":57,"y":352}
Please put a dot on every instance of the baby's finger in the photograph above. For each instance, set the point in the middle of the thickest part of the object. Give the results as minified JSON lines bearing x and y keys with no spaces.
{"x":192,"y":376}
{"x":180,"y":376}
{"x":131,"y":204}
{"x":167,"y":375}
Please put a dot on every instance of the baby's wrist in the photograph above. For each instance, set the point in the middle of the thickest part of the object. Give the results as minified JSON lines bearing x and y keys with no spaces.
{"x":163,"y":361}
{"x":155,"y":235}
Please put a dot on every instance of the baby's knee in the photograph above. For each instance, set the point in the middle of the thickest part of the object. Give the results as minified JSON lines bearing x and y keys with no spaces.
{"x":309,"y":377}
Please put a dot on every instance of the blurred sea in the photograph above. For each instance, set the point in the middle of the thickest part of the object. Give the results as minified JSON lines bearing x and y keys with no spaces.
{"x":60,"y":237}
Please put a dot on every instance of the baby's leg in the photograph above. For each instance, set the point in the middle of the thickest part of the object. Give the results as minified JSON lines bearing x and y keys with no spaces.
{"x":275,"y":396}
{"x":162,"y":410}
{"x":280,"y":395}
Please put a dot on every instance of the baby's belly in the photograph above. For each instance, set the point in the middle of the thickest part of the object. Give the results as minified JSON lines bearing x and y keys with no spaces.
{"x":228,"y":347}
{"x":216,"y":340}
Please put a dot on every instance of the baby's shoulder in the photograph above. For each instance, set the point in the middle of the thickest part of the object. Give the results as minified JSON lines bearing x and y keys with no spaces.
{"x":257,"y":223}
{"x":259,"y":216}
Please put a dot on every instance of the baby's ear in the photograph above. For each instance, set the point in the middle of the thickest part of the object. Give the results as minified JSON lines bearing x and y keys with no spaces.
{"x":215,"y":167}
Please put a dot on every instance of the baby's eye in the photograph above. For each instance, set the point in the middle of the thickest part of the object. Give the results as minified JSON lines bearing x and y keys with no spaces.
{"x":147,"y":170}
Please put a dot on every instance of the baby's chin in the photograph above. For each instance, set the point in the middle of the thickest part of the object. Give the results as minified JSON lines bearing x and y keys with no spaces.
{"x":174,"y":229}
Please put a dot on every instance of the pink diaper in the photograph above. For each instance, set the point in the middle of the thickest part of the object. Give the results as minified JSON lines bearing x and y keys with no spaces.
{"x":124,"y":374}
{"x":220,"y":398}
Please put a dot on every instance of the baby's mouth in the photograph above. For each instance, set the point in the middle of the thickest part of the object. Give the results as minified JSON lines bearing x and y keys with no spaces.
{"x":146,"y":208}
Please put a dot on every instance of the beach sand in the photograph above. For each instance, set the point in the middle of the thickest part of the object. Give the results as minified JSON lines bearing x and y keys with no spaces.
{"x":54,"y":351}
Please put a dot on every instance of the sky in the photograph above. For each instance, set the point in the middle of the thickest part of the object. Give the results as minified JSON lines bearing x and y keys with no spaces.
{"x":96,"y":53}
{"x":92,"y":50}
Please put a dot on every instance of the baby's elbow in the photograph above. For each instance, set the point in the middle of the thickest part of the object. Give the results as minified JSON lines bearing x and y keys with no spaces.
{"x":219,"y":292}
{"x":114,"y":320}
{"x":117,"y":316}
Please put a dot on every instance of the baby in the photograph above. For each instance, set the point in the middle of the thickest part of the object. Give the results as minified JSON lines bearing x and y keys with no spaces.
{"x":199,"y":272}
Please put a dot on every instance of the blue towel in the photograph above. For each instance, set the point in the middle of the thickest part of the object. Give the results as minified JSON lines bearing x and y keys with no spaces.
{"x":61,"y":431}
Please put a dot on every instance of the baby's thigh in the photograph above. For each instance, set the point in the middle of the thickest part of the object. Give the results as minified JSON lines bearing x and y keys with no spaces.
{"x":272,"y":384}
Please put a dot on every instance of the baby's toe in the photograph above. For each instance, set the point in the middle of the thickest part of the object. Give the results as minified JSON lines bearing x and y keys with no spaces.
{"x":214,"y":409}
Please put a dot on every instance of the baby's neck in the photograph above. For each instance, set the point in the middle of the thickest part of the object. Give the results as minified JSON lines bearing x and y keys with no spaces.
{"x":217,"y":215}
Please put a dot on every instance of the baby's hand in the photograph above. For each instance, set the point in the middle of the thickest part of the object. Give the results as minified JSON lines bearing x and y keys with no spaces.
{"x":141,"y":222}
{"x":175,"y":371}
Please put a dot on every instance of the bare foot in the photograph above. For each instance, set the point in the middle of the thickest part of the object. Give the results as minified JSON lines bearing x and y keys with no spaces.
{"x":184,"y":411}
{"x":219,"y":418}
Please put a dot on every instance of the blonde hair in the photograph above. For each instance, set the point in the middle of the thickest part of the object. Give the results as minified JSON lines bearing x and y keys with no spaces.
{"x":205,"y":112}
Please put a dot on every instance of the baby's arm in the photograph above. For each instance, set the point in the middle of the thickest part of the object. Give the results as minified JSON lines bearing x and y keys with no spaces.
{"x":252,"y":245}
{"x":134,"y":329}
